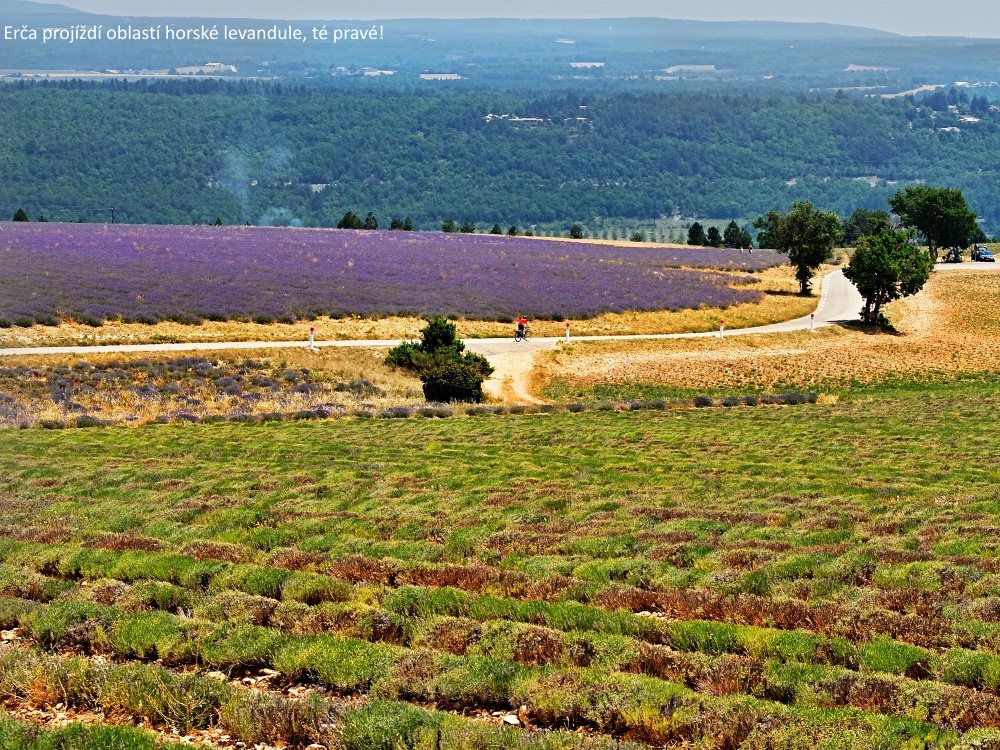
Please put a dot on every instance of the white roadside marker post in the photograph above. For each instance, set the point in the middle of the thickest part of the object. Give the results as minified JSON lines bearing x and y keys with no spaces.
{"x":812,"y":322}
{"x":722,"y":327}
{"x":567,"y":331}
{"x":312,"y":338}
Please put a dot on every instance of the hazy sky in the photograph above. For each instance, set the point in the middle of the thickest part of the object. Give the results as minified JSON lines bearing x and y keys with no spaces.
{"x":950,"y":17}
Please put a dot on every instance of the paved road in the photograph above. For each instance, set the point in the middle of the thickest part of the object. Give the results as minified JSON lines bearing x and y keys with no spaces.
{"x":839,"y":301}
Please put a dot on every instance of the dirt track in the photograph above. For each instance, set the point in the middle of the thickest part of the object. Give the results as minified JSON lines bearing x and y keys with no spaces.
{"x":511,"y":378}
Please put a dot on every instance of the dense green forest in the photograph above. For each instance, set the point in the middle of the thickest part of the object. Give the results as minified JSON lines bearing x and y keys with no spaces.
{"x":177,"y":152}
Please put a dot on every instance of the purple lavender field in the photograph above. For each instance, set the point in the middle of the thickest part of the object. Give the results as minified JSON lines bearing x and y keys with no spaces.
{"x":144,"y":273}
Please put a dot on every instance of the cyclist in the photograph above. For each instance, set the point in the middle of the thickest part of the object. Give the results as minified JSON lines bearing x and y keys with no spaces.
{"x":522,"y":326}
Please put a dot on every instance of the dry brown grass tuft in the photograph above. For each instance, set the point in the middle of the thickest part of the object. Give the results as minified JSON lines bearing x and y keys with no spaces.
{"x":293,"y":559}
{"x":53,"y":535}
{"x":206,"y":550}
{"x":452,"y":634}
{"x":124,"y":543}
{"x":360,"y":569}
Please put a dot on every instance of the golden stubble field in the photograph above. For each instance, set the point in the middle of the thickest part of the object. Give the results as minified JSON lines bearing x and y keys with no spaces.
{"x":950,"y":327}
{"x":779,"y":303}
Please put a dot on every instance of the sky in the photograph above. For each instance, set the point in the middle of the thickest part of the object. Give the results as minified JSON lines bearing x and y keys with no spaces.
{"x":973,"y":18}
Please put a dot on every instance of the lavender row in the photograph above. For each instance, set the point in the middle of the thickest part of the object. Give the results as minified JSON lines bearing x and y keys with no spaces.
{"x":148,"y":273}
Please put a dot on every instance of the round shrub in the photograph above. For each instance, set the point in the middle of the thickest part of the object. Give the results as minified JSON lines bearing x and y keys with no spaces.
{"x":454,"y":380}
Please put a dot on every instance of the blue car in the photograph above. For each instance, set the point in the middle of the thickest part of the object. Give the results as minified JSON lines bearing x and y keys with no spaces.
{"x":982,"y":254}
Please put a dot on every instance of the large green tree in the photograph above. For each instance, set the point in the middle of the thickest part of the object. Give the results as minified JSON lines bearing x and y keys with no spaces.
{"x":940,"y":214}
{"x":806,"y":234}
{"x":350,"y":220}
{"x":886,"y":266}
{"x":714,"y":237}
{"x":862,"y":222}
{"x":736,"y":236}
{"x":696,"y":234}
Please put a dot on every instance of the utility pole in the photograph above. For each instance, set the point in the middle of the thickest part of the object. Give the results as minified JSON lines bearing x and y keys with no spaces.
{"x":113,"y":209}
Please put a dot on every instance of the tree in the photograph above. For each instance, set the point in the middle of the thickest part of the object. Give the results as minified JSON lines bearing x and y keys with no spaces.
{"x":395,"y":224}
{"x":371,"y":221}
{"x":449,"y":226}
{"x":350,"y":220}
{"x":736,"y":236}
{"x":940,"y":214}
{"x":447,"y":371}
{"x":468,"y":227}
{"x":512,"y":232}
{"x":20,"y":215}
{"x":807,"y":235}
{"x":863,"y":222}
{"x":41,"y":217}
{"x":638,"y":236}
{"x":576,"y":232}
{"x":407,"y":224}
{"x":714,"y":238}
{"x":496,"y":229}
{"x":696,"y":235}
{"x":886,"y":266}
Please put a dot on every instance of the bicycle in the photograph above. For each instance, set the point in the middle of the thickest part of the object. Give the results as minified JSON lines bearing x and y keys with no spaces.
{"x":522,"y":335}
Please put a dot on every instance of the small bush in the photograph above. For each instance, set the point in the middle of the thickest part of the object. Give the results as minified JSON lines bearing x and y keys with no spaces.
{"x":886,"y":655}
{"x":229,"y":646}
{"x":396,"y":412}
{"x":703,"y":401}
{"x":455,"y":380}
{"x":237,"y":607}
{"x":439,"y":412}
{"x":149,"y":635}
{"x":312,"y":589}
{"x":448,"y":372}
{"x":344,"y":664}
{"x":252,"y":579}
{"x":88,"y":420}
{"x":256,"y":718}
{"x":382,"y":725}
{"x":182,"y":702}
{"x":478,"y":411}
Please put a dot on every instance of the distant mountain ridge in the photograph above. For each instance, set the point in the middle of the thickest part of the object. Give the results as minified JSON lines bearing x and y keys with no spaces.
{"x":28,"y":7}
{"x":640,"y":25}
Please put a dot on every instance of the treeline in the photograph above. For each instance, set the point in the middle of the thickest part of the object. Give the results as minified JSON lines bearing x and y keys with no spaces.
{"x":267,"y":154}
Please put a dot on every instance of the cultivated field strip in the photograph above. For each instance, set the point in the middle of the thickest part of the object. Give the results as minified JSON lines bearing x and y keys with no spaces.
{"x":93,"y":273}
{"x":695,"y":577}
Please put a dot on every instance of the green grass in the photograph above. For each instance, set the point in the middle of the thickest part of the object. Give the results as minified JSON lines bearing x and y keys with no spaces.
{"x":651,"y":576}
{"x":895,"y":386}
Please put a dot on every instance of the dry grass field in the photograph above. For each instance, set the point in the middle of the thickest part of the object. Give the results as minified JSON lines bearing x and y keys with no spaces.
{"x":952,"y":327}
{"x":138,"y":388}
